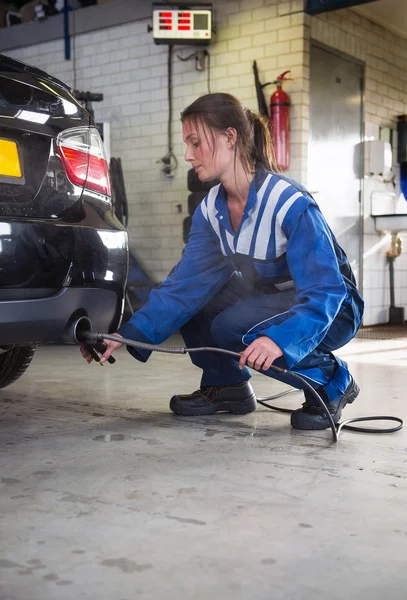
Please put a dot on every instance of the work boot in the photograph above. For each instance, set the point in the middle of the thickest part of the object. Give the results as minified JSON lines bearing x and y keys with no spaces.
{"x":312,"y":416}
{"x":236,"y":399}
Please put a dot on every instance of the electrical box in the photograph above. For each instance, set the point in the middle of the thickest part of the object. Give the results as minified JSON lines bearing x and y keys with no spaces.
{"x":378,"y":158}
{"x":383,"y":203}
{"x":173,"y":24}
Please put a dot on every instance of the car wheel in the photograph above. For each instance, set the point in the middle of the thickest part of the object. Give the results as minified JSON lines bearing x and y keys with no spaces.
{"x":14,"y":362}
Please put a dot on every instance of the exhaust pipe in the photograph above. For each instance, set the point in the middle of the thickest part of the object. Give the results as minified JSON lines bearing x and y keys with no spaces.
{"x":75,"y":332}
{"x":79,"y":331}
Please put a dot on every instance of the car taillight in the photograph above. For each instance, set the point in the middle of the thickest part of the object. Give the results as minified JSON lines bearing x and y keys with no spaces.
{"x":84,"y":160}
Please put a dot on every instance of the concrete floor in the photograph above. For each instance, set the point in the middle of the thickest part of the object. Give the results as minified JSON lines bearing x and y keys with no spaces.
{"x":106,"y":495}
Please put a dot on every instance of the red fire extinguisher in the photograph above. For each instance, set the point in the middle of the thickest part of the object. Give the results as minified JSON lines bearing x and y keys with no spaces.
{"x":280,"y":123}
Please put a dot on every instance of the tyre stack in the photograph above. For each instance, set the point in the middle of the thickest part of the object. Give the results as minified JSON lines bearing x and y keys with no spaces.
{"x":198,"y":190}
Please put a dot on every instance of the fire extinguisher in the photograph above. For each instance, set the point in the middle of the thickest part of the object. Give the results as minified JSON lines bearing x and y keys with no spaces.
{"x":280,"y":123}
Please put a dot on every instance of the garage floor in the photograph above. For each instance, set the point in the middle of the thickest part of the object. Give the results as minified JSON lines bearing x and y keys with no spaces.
{"x":106,"y":495}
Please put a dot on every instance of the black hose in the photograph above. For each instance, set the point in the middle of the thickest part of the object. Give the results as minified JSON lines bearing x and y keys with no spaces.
{"x":95,"y":337}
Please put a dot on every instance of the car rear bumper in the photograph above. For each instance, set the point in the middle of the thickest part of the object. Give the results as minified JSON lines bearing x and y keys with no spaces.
{"x":46,"y":256}
{"x":51,"y":273}
{"x":48,"y":319}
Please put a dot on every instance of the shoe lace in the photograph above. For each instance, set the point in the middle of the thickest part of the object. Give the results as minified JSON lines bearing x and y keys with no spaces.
{"x":315,"y":409}
{"x":209,"y":392}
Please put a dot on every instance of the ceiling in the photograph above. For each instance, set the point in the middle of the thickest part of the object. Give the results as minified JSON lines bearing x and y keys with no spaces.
{"x":392,"y":14}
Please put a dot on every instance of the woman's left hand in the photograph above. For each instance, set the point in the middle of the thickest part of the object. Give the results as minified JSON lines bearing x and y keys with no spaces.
{"x":261,"y":354}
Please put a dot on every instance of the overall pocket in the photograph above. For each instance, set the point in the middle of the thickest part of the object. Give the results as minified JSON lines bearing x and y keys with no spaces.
{"x":272,"y":269}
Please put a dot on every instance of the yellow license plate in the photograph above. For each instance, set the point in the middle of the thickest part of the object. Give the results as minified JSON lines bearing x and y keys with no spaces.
{"x":9,"y":160}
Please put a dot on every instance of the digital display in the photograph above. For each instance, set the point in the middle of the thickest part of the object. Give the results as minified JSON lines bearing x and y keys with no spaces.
{"x":182,"y":26}
{"x":201,"y":21}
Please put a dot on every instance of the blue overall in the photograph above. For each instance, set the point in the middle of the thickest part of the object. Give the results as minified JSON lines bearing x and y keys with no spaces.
{"x":282,"y":274}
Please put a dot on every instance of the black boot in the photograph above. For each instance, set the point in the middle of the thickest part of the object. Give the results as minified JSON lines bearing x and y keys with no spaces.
{"x":311,"y":415}
{"x":237,"y":399}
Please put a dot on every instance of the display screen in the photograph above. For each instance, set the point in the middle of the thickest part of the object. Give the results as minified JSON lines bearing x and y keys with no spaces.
{"x":200,"y":21}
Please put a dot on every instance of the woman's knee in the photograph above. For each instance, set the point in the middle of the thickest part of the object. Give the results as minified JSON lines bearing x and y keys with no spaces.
{"x":226,"y":333}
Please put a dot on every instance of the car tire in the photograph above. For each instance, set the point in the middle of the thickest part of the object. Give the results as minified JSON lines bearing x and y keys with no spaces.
{"x":14,"y":363}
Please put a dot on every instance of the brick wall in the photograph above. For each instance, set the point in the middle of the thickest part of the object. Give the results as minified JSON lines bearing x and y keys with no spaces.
{"x":385,"y":97}
{"x":125,"y":65}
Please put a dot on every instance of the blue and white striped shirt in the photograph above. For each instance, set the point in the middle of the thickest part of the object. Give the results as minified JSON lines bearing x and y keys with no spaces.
{"x":260,"y":234}
{"x":283,"y":241}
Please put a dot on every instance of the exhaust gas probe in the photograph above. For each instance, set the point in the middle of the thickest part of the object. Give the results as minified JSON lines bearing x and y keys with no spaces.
{"x":82,"y":333}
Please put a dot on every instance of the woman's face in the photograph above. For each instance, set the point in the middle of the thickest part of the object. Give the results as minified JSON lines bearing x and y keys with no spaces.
{"x":210,"y":155}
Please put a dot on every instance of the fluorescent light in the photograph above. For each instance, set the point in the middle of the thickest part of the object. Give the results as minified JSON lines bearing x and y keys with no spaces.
{"x":111,"y":239}
{"x":33,"y":117}
{"x":5,"y":229}
{"x":69,"y":107}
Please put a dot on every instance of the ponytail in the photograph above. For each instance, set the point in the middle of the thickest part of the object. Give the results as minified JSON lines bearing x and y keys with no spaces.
{"x":262,"y":152}
{"x":218,"y":111}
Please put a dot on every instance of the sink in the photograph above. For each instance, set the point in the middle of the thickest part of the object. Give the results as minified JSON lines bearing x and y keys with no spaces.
{"x":391,"y":223}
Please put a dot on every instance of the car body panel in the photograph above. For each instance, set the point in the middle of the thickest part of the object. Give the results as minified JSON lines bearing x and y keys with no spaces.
{"x":62,"y":250}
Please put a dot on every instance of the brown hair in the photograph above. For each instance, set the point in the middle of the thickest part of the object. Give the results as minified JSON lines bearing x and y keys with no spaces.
{"x":217,"y":112}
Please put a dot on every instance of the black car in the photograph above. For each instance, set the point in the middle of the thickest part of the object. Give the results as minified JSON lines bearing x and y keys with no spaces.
{"x":63,"y":253}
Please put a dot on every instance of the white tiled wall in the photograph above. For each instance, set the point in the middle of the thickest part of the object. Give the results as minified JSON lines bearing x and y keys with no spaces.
{"x":385,"y":58}
{"x":131,"y":71}
{"x":125,"y":65}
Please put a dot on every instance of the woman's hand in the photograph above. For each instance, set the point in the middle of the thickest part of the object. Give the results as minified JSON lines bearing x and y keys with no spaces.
{"x":110,"y":347}
{"x":261,"y":354}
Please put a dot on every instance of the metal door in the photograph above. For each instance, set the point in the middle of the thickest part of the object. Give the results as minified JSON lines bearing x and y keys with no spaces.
{"x":334,"y":150}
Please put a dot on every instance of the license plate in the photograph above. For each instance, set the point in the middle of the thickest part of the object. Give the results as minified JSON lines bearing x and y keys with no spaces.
{"x":9,"y":160}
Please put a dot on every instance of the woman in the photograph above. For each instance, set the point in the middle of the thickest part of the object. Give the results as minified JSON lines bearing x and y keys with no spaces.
{"x":262,"y":274}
